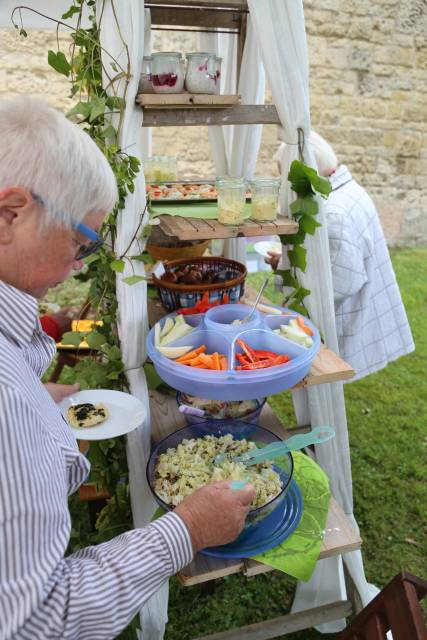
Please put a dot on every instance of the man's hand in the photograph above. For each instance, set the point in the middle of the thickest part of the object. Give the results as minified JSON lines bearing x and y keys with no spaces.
{"x":273,"y":259}
{"x":215,"y":514}
{"x":61,"y":391}
{"x":63,"y":317}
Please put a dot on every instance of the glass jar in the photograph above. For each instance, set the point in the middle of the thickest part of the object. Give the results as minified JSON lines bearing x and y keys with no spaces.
{"x":160,"y":169}
{"x":218,"y":62}
{"x":265,"y":199}
{"x":231,"y":200}
{"x":145,"y":83}
{"x":167,"y":74}
{"x":201,"y":73}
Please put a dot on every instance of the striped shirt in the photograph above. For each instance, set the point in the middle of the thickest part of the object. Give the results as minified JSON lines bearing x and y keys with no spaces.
{"x":91,"y":594}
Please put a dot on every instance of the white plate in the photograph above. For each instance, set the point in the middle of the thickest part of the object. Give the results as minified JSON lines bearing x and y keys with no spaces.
{"x":126,"y":413}
{"x":265,"y":246}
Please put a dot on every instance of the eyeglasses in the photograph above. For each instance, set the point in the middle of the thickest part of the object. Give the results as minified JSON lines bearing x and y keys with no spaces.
{"x":87,"y":249}
{"x":84,"y":250}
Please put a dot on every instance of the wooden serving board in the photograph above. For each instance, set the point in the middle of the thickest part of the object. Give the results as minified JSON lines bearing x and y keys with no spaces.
{"x":188,"y":100}
{"x":197,"y":229}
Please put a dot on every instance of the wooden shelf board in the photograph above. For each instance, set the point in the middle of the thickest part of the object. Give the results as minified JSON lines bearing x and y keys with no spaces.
{"x":187,"y":100}
{"x":213,"y":4}
{"x":191,"y":117}
{"x":196,"y":229}
{"x":339,"y":534}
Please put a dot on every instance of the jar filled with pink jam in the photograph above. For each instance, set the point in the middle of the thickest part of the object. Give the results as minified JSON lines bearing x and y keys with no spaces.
{"x":166,"y":72}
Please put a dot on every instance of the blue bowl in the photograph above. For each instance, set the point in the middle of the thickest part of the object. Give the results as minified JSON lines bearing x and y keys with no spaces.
{"x":252,"y":416}
{"x":268,"y":513}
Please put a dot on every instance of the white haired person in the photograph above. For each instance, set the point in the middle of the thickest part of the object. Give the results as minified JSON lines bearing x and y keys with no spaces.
{"x":371,"y":321}
{"x":55,"y":189}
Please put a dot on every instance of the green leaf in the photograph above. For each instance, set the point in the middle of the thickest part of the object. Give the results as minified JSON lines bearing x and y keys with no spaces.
{"x":80,"y":109}
{"x":304,"y":180}
{"x":288,"y":279}
{"x":59,"y":62}
{"x":114,"y":353}
{"x":298,"y":257}
{"x":134,"y":279}
{"x":72,"y":337}
{"x":309,"y":224}
{"x":306,"y":205}
{"x":95,"y":339}
{"x":296,"y":238}
{"x":23,"y":33}
{"x":299,"y":308}
{"x":97,"y":108}
{"x":92,"y":258}
{"x":118,"y":266}
{"x":153,"y":379}
{"x":143,"y":257}
{"x":109,"y":132}
{"x":71,"y":11}
{"x":115,"y":102}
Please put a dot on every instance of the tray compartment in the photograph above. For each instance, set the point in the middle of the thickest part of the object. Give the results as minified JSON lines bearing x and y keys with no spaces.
{"x":221,"y":318}
{"x":268,"y":341}
{"x":273,"y":322}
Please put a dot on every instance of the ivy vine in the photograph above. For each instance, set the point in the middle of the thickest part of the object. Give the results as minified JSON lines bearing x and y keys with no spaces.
{"x":306,"y":183}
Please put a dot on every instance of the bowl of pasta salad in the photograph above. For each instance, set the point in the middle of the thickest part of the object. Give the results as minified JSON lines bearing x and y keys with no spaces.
{"x":187,"y":460}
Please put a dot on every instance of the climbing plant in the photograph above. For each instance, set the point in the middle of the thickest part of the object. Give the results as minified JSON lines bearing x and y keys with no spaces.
{"x":306,"y":183}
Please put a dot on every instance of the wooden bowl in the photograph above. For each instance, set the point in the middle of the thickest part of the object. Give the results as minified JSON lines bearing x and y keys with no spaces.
{"x":196,"y":250}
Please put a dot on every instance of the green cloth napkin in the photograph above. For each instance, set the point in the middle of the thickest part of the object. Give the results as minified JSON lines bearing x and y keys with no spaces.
{"x":202,"y":210}
{"x":297,"y":555}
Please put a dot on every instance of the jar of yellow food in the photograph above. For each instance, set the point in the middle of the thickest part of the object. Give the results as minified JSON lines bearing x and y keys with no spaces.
{"x":231,"y":200}
{"x":265,"y":199}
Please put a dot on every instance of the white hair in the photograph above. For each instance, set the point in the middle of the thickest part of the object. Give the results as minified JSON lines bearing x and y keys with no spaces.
{"x":325,"y":156}
{"x":326,"y":159}
{"x":55,"y":159}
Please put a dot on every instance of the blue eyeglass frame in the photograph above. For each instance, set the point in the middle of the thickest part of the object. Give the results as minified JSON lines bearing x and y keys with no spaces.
{"x":92,"y":247}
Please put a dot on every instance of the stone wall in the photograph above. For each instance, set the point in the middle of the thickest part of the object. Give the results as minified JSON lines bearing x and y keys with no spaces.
{"x":368,"y":61}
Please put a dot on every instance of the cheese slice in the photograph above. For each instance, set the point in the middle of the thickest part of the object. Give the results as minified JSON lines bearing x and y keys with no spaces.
{"x":86,"y":414}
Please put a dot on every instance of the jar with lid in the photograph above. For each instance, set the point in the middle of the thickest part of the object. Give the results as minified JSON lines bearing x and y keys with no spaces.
{"x":145,"y":83}
{"x":218,"y":62}
{"x":265,"y":199}
{"x":231,"y":200}
{"x":201,"y":73}
{"x":160,"y":169}
{"x":167,"y":74}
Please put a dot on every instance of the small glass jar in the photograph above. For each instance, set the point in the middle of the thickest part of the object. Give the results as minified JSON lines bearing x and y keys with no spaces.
{"x":231,"y":200}
{"x":265,"y":199}
{"x":201,"y":73}
{"x":167,"y":75}
{"x":170,"y":169}
{"x":218,"y":62}
{"x":160,"y":169}
{"x":145,"y":83}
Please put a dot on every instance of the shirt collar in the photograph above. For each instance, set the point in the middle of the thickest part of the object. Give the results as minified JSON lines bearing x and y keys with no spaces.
{"x":340,"y":177}
{"x":18,"y":314}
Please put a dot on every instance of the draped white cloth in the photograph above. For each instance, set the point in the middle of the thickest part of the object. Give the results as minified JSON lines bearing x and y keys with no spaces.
{"x":280,"y":32}
{"x":235,"y":148}
{"x":127,"y":46}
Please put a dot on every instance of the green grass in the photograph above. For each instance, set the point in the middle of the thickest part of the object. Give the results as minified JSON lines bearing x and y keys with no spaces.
{"x":387,"y":414}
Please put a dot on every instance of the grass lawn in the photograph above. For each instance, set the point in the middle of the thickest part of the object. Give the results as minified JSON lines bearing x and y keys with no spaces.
{"x":387,"y":417}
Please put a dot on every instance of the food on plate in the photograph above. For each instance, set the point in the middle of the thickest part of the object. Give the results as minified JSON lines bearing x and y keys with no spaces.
{"x":86,"y":414}
{"x":221,"y":409}
{"x":191,"y":465}
{"x":252,"y":359}
{"x":178,"y":191}
{"x":297,"y":331}
{"x":198,"y":358}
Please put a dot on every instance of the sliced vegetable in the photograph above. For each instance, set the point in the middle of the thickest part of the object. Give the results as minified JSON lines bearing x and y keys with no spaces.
{"x":293,"y":332}
{"x":203,"y":305}
{"x":173,"y":352}
{"x":157,"y":335}
{"x":193,"y":354}
{"x":257,"y":358}
{"x":168,"y":326}
{"x":303,"y":326}
{"x":179,"y":331}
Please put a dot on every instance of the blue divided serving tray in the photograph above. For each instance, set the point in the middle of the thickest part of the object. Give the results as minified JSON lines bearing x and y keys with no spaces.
{"x":215,"y":330}
{"x":266,"y":535}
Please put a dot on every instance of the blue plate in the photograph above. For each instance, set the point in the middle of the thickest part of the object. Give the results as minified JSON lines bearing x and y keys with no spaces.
{"x":264,"y":537}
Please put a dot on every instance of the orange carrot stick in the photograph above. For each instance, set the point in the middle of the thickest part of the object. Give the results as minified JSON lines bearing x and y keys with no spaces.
{"x":303,"y":326}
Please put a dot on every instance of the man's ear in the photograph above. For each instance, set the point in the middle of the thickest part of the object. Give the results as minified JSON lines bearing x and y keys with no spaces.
{"x":15,"y":205}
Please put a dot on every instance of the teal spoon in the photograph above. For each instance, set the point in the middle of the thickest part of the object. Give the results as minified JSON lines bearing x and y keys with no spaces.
{"x":318,"y":435}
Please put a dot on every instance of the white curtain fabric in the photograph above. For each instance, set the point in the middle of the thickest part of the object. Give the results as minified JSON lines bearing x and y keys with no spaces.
{"x":235,"y":148}
{"x":280,"y":32}
{"x":127,"y":46}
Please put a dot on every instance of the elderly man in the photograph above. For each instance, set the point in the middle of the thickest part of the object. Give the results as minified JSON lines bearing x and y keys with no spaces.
{"x":55,"y":189}
{"x":371,"y":322}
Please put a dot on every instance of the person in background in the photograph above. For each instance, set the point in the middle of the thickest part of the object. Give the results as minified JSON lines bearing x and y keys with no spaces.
{"x":55,"y":189}
{"x":371,"y":322}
